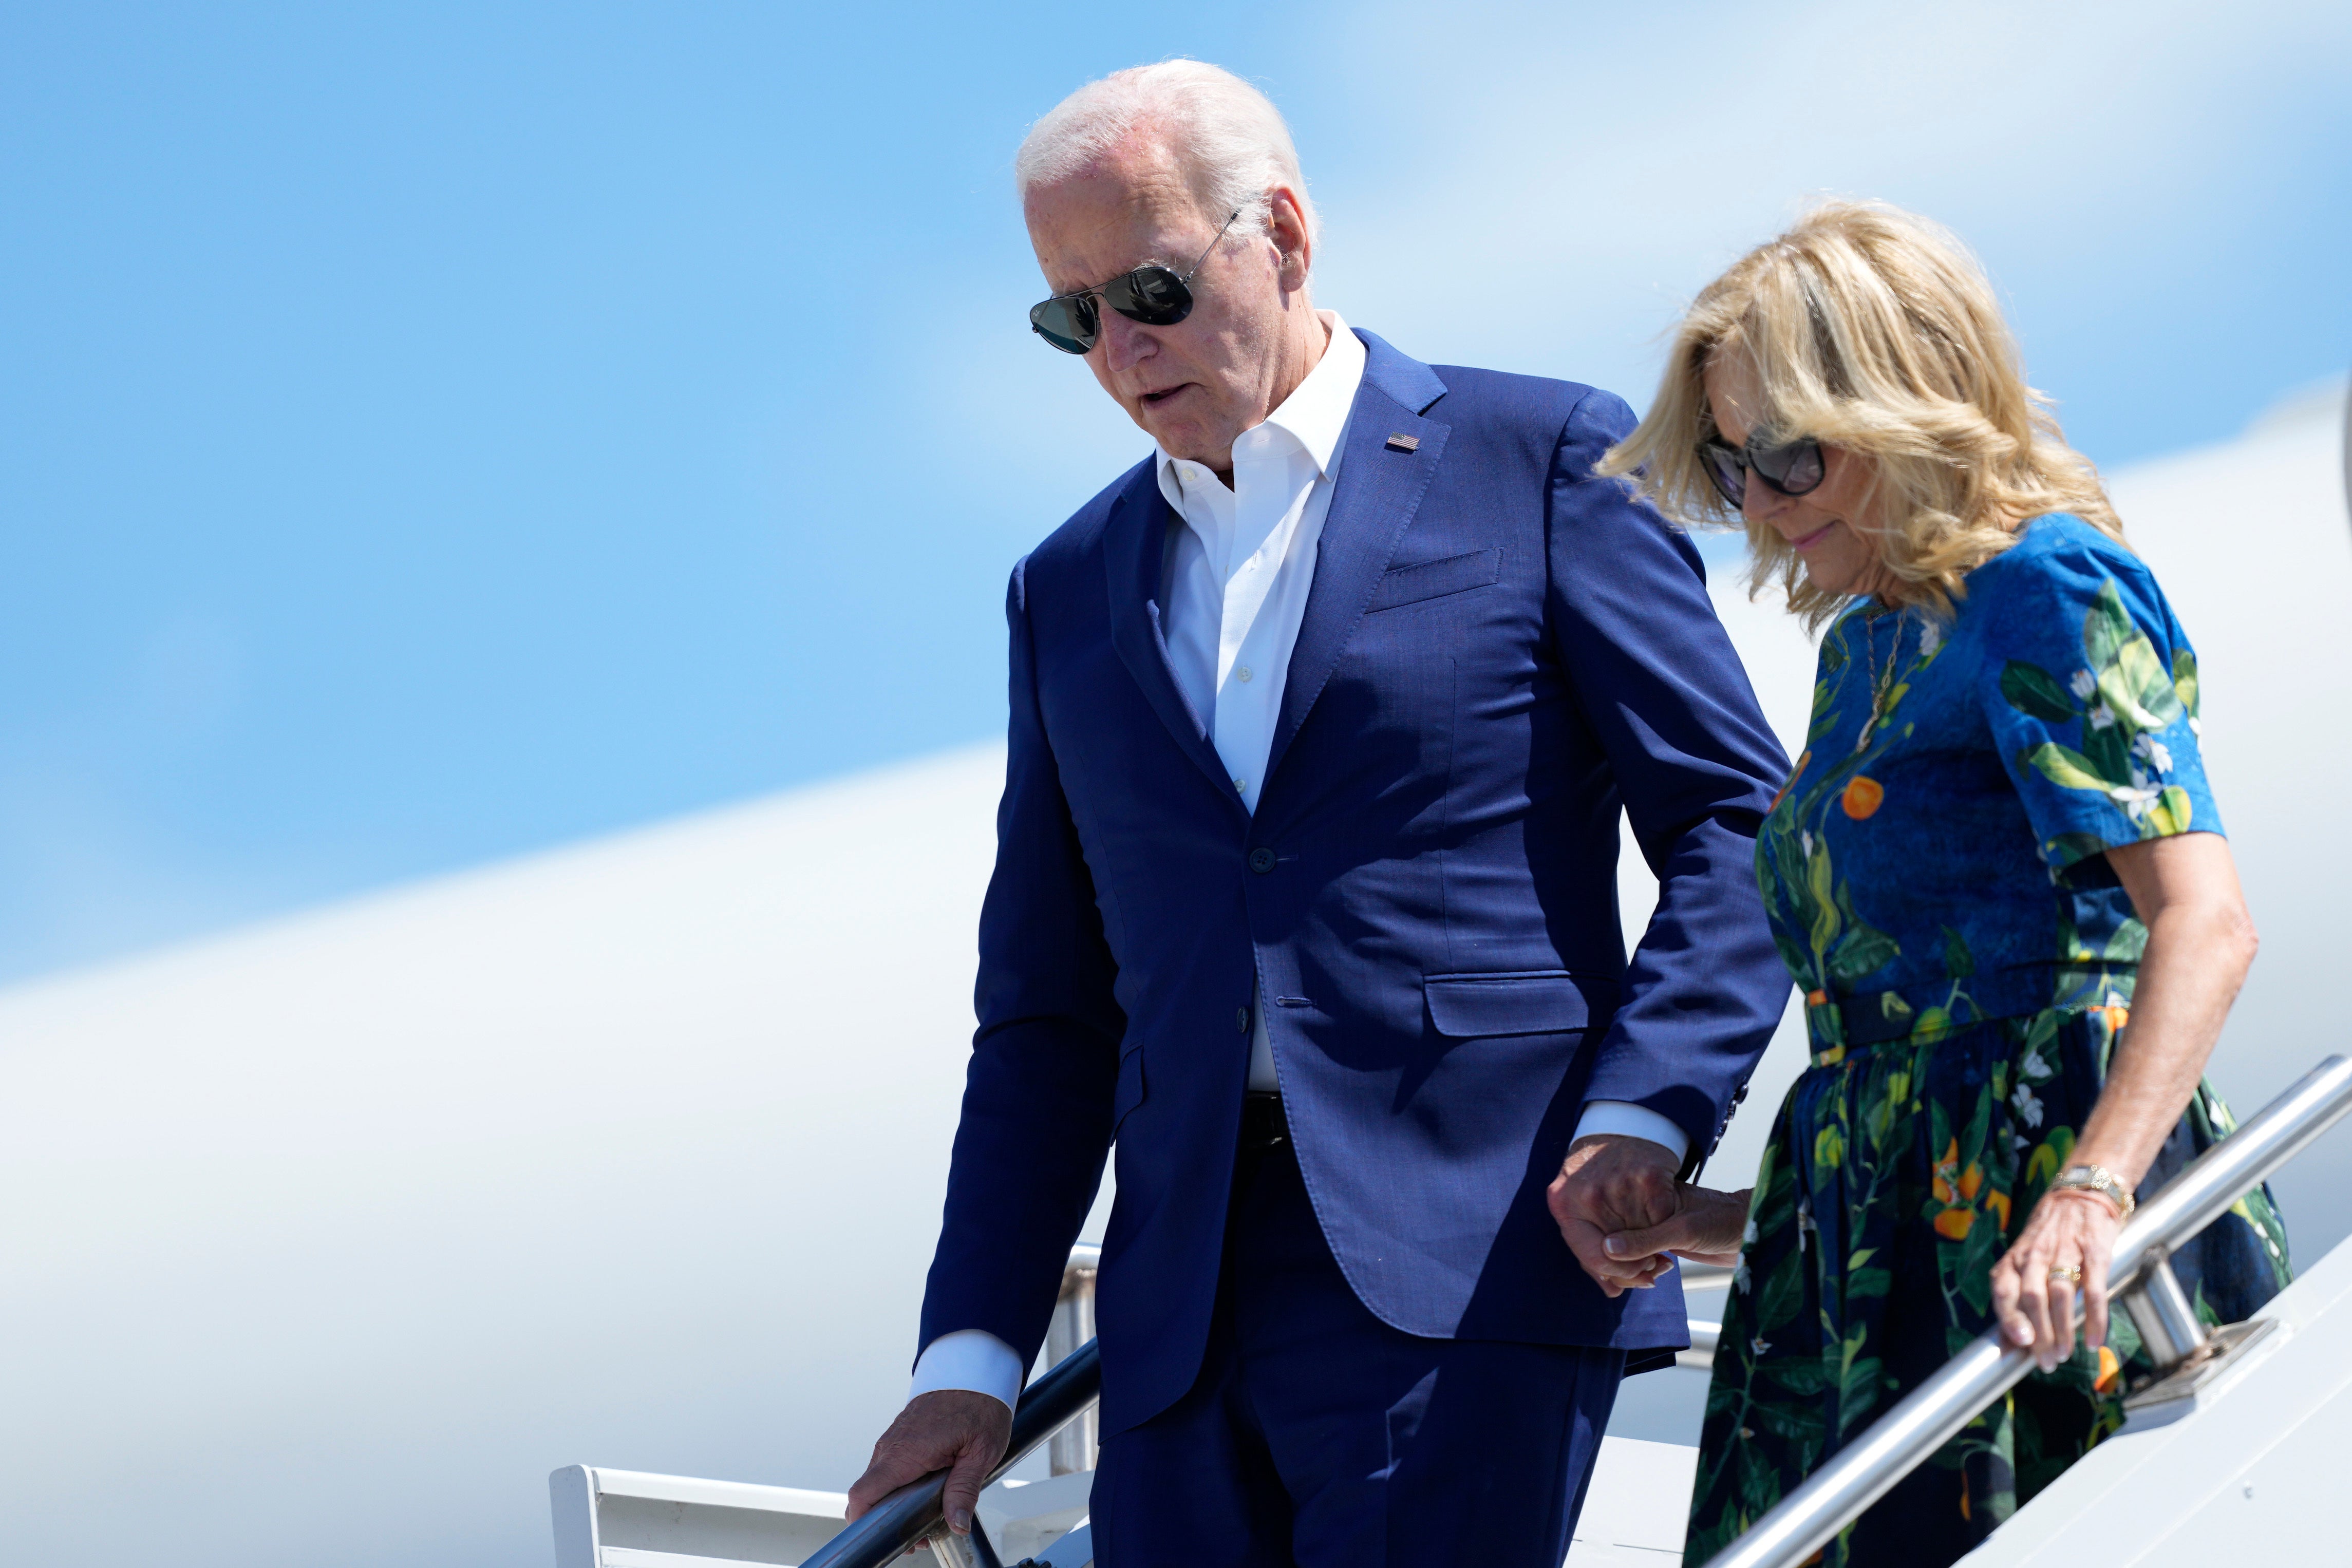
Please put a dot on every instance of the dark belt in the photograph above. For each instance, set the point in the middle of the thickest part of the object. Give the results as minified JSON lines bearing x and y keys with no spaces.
{"x":1263,"y":1125}
{"x":1839,"y":1023}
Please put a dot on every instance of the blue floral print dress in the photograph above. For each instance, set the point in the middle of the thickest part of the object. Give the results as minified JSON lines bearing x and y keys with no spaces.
{"x":1935,"y":874}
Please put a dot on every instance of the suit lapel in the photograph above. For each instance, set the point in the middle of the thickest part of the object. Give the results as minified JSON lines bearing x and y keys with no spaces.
{"x":1135,"y":540}
{"x":1378,"y":490}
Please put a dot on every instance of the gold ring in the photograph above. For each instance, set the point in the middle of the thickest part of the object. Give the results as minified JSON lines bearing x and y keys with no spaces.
{"x":2070,"y":1272}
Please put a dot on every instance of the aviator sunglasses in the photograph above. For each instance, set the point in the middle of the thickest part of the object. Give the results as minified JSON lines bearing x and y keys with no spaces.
{"x":1791,"y":468}
{"x":1151,"y":294}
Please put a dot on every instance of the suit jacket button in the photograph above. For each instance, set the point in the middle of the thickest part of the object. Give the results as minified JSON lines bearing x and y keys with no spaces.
{"x":1241,"y":1021}
{"x":1260,"y":860}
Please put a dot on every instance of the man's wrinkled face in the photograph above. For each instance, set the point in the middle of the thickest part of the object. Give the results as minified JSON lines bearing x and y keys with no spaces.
{"x":1198,"y":384}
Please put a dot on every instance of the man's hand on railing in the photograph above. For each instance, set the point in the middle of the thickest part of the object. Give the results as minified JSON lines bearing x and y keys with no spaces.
{"x":953,"y":1429}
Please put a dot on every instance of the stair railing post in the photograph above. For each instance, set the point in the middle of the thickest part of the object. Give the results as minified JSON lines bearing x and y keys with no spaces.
{"x":2167,"y":1319}
{"x":1073,"y":1449}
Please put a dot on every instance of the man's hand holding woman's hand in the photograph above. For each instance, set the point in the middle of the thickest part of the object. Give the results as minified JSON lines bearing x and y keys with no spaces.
{"x":1626,"y":1219}
{"x":1706,"y":1227}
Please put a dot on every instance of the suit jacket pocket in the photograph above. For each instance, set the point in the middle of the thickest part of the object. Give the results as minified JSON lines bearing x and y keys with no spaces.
{"x":1548,"y":1001}
{"x":1130,"y":1092}
{"x":1435,"y":579}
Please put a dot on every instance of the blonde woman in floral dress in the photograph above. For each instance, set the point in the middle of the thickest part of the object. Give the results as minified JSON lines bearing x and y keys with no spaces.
{"x":1996,"y":872}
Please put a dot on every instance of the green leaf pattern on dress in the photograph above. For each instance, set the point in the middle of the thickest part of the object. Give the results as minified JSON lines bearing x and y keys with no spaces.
{"x":1934,"y":876}
{"x":2124,"y":699}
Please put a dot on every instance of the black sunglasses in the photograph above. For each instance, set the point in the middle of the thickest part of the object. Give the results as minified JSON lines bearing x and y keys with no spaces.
{"x":1791,"y":468}
{"x":1151,"y":294}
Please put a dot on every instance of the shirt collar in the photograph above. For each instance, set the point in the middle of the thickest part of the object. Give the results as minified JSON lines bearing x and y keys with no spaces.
{"x":1316,"y":413}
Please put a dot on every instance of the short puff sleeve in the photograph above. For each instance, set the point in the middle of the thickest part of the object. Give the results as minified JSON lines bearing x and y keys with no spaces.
{"x":2089,"y":688}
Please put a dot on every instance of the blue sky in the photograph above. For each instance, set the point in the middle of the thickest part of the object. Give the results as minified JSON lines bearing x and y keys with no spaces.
{"x":433,"y":432}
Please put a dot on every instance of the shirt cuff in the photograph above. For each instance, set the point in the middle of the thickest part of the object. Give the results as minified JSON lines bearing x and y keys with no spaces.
{"x":1622,"y":1117}
{"x":970,"y":1358}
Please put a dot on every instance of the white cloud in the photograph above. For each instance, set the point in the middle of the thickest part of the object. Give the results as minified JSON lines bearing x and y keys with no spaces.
{"x":1530,"y":189}
{"x":1540,"y":189}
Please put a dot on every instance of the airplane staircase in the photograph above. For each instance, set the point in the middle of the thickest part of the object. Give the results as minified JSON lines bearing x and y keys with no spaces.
{"x":2233,"y":1453}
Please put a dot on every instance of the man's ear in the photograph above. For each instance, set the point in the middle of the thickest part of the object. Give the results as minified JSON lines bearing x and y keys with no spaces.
{"x":1285,"y":224}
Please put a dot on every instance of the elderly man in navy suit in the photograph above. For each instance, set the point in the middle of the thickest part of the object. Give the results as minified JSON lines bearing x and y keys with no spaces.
{"x":1305,"y":899}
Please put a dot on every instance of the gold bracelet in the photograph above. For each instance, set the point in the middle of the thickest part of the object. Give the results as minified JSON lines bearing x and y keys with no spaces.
{"x":2098,"y":1179}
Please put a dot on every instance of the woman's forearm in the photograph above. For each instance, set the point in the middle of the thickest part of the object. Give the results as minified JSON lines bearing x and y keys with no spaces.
{"x":2201,"y":943}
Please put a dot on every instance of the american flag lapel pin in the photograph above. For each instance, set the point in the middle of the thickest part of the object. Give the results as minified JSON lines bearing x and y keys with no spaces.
{"x":1404,"y":443}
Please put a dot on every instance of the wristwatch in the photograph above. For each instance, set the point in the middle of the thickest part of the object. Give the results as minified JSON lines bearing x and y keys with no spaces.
{"x":2098,"y":1179}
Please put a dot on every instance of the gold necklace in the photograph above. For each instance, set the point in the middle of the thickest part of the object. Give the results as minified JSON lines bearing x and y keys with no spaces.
{"x":1881,"y":678}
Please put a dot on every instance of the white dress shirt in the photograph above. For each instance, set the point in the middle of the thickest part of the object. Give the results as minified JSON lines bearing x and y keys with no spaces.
{"x":1237,"y":575}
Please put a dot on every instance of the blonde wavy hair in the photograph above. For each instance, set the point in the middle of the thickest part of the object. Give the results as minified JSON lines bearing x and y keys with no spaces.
{"x":1876,"y":331}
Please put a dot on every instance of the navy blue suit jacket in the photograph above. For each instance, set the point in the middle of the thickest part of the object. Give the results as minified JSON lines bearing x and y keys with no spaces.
{"x":1499,"y":652}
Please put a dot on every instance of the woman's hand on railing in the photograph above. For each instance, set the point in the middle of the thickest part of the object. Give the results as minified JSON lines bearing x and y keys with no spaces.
{"x":1707,"y":1226}
{"x":2067,"y":1243}
{"x":953,"y":1429}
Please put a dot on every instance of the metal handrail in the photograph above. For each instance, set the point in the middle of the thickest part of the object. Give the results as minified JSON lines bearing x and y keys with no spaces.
{"x":914,"y":1511}
{"x":1907,"y":1436}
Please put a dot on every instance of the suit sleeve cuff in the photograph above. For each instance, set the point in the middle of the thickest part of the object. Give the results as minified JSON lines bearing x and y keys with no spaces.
{"x":1620,"y":1116}
{"x":970,"y":1358}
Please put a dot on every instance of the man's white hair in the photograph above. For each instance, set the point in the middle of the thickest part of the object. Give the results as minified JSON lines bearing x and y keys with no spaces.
{"x":1227,"y":136}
